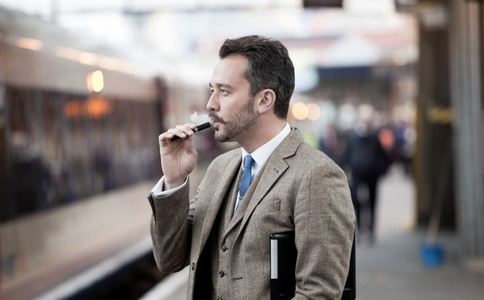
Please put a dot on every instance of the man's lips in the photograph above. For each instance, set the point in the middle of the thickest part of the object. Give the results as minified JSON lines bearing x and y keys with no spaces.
{"x":215,"y":119}
{"x":216,"y":122}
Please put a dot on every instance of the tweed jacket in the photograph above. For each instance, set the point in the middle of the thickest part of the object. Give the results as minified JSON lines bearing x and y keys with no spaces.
{"x":299,"y":189}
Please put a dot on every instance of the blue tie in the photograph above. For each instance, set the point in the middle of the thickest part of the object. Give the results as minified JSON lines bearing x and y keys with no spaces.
{"x":246,"y":178}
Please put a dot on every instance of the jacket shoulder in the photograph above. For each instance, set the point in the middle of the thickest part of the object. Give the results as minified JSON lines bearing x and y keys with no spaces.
{"x":223,"y":159}
{"x":316,"y":159}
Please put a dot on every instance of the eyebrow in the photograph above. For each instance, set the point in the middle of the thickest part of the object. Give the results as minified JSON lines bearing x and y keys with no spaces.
{"x":220,"y":85}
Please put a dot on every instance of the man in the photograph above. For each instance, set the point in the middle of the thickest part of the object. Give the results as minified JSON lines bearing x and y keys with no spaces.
{"x":283,"y":185}
{"x":367,"y":161}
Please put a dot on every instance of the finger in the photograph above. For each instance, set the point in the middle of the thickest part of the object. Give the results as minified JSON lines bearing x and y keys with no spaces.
{"x":177,"y":131}
{"x":187,"y":129}
{"x":165,"y":137}
{"x":183,"y":131}
{"x":190,"y":126}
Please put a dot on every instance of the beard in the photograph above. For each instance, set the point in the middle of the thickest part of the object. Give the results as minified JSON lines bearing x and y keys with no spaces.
{"x":232,"y":128}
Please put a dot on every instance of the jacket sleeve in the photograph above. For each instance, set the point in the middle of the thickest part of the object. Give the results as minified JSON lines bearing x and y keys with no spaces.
{"x":171,"y":230}
{"x":324,"y":225}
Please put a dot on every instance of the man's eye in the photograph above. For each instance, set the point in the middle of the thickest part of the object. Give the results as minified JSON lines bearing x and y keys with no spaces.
{"x":224,"y":92}
{"x":210,"y":91}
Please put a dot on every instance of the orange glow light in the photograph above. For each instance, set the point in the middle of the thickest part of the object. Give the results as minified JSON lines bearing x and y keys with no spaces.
{"x":313,"y":111}
{"x":300,"y":111}
{"x":97,"y":107}
{"x":73,"y":108}
{"x":94,"y":107}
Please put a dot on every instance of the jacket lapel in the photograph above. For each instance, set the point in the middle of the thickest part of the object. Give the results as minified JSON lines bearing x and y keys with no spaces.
{"x":239,"y":214}
{"x":275,"y":167}
{"x":218,"y":196}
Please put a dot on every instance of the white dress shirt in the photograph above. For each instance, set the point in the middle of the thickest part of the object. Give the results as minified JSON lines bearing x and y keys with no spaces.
{"x":260,"y":156}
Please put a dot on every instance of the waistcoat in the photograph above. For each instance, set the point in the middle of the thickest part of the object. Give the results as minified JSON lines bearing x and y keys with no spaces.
{"x":218,"y":249}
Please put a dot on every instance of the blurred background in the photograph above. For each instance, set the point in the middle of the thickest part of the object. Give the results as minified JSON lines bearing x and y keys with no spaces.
{"x":392,"y":90}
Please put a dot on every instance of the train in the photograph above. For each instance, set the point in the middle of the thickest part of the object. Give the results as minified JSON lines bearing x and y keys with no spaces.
{"x":78,"y":138}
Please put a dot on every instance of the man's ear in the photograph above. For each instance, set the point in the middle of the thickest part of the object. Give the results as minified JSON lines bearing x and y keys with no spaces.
{"x":266,"y":101}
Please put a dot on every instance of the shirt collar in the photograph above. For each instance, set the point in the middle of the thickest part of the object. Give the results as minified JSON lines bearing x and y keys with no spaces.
{"x":261,"y":154}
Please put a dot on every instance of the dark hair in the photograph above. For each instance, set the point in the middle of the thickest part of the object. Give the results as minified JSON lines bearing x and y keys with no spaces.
{"x":269,"y":67}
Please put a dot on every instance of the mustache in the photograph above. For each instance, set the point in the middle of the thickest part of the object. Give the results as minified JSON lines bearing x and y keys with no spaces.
{"x":216,"y":118}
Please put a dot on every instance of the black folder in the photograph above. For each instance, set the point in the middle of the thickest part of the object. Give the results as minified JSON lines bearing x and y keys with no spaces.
{"x":283,"y":265}
{"x":283,"y":268}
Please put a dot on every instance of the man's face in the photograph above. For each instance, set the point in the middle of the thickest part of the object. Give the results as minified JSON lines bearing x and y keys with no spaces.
{"x":231,"y":106}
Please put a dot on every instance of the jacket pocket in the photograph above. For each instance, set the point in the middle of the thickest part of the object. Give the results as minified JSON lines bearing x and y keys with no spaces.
{"x":269,"y":205}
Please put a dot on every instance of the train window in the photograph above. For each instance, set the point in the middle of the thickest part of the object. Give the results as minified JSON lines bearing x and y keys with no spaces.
{"x":63,"y":147}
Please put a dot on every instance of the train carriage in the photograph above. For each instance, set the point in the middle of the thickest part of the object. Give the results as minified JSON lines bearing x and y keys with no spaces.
{"x":75,"y":123}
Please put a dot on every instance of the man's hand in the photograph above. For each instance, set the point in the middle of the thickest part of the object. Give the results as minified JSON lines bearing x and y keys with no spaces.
{"x":178,"y":158}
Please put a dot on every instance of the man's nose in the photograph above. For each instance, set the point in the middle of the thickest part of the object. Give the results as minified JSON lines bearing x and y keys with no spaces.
{"x":212,"y":104}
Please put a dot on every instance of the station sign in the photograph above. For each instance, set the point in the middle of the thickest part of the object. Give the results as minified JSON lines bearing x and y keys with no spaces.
{"x":322,"y":3}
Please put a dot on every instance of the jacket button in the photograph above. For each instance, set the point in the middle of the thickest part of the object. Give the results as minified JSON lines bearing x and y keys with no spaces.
{"x":193,"y":266}
{"x":224,"y":248}
{"x":221,"y":273}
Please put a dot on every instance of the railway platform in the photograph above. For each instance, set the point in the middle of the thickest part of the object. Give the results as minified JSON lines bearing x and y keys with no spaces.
{"x":389,"y":269}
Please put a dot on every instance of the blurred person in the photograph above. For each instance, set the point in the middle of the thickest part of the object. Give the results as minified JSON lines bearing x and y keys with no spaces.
{"x":387,"y":139}
{"x":367,"y":161}
{"x":31,"y":176}
{"x":331,"y":143}
{"x":103,"y":167}
{"x":273,"y":183}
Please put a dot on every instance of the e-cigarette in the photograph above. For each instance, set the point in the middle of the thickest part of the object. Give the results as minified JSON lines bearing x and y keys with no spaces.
{"x":196,"y":129}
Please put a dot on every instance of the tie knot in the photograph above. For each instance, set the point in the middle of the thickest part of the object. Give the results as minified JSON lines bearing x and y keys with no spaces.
{"x":248,"y":162}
